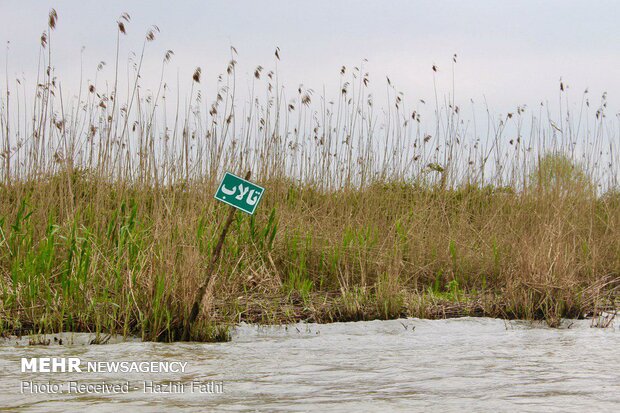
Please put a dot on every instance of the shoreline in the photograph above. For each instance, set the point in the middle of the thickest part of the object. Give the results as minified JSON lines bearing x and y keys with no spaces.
{"x":282,"y":310}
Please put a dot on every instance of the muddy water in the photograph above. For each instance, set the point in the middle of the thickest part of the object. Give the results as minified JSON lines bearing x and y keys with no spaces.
{"x":469,"y":364}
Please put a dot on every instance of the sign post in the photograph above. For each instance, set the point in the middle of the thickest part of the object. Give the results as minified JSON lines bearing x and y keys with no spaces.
{"x":239,"y":194}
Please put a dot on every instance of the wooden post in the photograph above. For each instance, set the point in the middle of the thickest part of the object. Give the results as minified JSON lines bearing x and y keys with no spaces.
{"x":209,"y":279}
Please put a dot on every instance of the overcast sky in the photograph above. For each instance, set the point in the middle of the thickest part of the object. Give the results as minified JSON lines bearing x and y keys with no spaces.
{"x":512,"y":53}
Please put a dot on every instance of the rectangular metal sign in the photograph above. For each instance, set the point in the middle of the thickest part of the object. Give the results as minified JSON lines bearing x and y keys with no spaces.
{"x":238,"y":192}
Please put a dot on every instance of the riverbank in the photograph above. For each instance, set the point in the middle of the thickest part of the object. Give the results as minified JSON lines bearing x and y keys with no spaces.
{"x":332,"y":307}
{"x":80,"y":253}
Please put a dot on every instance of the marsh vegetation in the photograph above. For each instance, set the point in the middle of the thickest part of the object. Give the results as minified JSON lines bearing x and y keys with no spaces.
{"x":107,"y":216}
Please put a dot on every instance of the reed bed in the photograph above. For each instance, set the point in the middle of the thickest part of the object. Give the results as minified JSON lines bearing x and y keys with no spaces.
{"x":107,"y":216}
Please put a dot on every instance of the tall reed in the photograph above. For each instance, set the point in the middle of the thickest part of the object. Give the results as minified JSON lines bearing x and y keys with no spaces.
{"x":107,"y":218}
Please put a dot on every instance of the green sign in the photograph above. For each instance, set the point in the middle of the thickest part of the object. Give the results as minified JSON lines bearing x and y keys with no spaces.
{"x":238,"y":192}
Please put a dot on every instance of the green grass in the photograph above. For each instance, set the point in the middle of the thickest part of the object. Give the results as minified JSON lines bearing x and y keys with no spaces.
{"x":126,"y":264}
